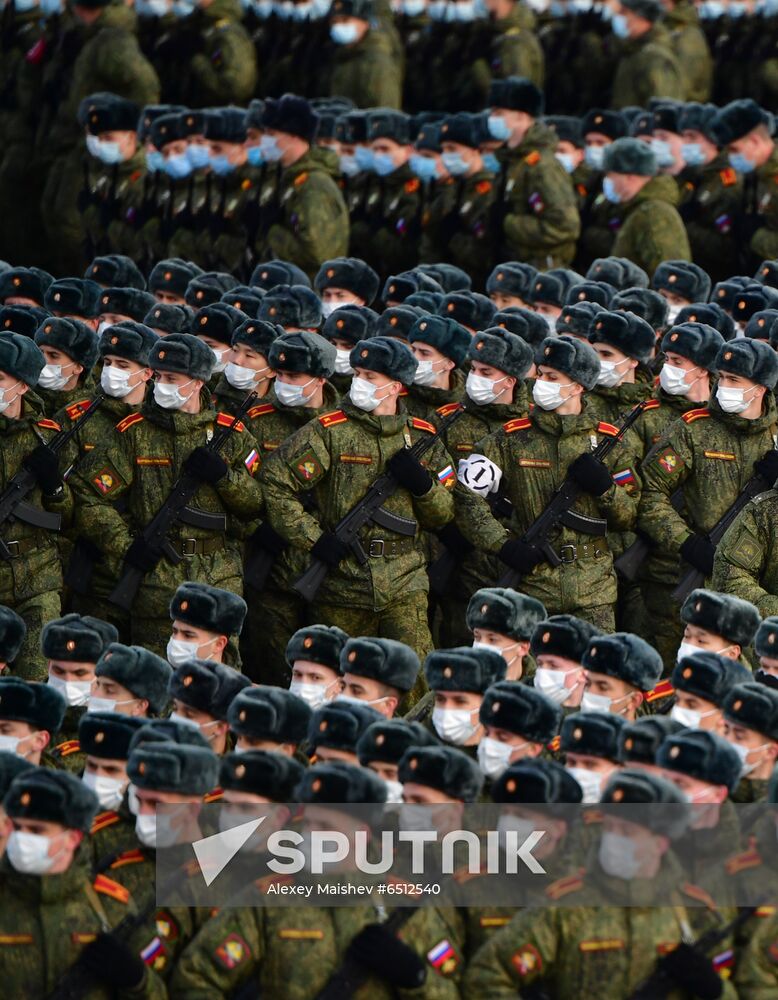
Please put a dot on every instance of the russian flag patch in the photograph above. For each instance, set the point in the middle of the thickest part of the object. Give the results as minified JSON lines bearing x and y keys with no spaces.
{"x":151,"y":950}
{"x":251,"y":461}
{"x":624,"y":478}
{"x":445,"y":474}
{"x":443,"y":957}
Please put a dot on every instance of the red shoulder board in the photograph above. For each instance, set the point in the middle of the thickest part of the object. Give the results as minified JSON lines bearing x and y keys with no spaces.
{"x":129,"y":858}
{"x":555,"y":744}
{"x":262,"y":410}
{"x":592,"y":816}
{"x":300,"y":179}
{"x":652,"y":404}
{"x":423,"y":425}
{"x":49,"y":425}
{"x":448,"y":409}
{"x":225,"y":420}
{"x":519,"y":424}
{"x":104,"y":819}
{"x":662,"y":690}
{"x":483,"y":187}
{"x":698,"y":893}
{"x":214,"y":795}
{"x":68,"y":747}
{"x":581,"y":189}
{"x":110,"y":888}
{"x":336,"y":417}
{"x":765,"y":911}
{"x":129,"y":420}
{"x":563,"y":886}
{"x":728,"y":176}
{"x":532,"y":158}
{"x":412,"y":186}
{"x":609,"y":429}
{"x":403,"y":392}
{"x":75,"y":410}
{"x":691,"y":415}
{"x":742,"y":861}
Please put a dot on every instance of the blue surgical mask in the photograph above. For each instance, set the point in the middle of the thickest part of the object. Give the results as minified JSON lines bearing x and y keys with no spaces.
{"x":736,"y":9}
{"x":741,"y":163}
{"x":383,"y":164}
{"x":692,"y":154}
{"x":254,"y":156}
{"x":619,"y":26}
{"x":263,"y":9}
{"x":109,"y":152}
{"x":155,"y":161}
{"x":178,"y":166}
{"x":343,"y":33}
{"x":413,"y":8}
{"x":364,"y":157}
{"x":567,"y":161}
{"x":348,"y":165}
{"x":302,"y":11}
{"x":712,"y":9}
{"x":425,"y":168}
{"x":491,"y":162}
{"x":221,"y":166}
{"x":437,"y":9}
{"x":594,"y":157}
{"x":183,"y":8}
{"x":557,"y":9}
{"x":464,"y":11}
{"x":50,"y":8}
{"x":22,"y":6}
{"x":455,"y":164}
{"x":662,"y":152}
{"x":610,"y":192}
{"x":498,"y":128}
{"x":271,"y":151}
{"x":198,"y":155}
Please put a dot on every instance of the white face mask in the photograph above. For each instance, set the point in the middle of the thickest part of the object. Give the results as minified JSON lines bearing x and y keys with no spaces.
{"x":29,"y":853}
{"x":590,"y":782}
{"x":551,"y":683}
{"x":241,"y":377}
{"x":343,"y":363}
{"x":350,"y":700}
{"x":425,"y":373}
{"x":10,"y":744}
{"x":116,"y":382}
{"x":51,"y":377}
{"x":610,"y":375}
{"x":106,"y":704}
{"x":673,"y":380}
{"x":454,"y":725}
{"x":515,"y":824}
{"x":686,"y":649}
{"x":314,"y":695}
{"x":743,"y":753}
{"x":591,"y":702}
{"x":169,"y":397}
{"x":221,"y":364}
{"x":690,"y":717}
{"x":494,"y":756}
{"x":548,"y":395}
{"x":155,"y":831}
{"x":184,"y":720}
{"x":617,"y":855}
{"x":292,"y":395}
{"x":672,"y":314}
{"x":5,"y":403}
{"x":328,"y":308}
{"x":732,"y":400}
{"x":109,"y":791}
{"x":178,"y":651}
{"x":394,"y":791}
{"x":75,"y":693}
{"x":502,"y":650}
{"x":363,"y":394}
{"x":414,"y":817}
{"x":481,"y":389}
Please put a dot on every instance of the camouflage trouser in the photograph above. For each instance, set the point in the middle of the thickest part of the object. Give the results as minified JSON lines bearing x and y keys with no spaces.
{"x":36,"y":612}
{"x":664,"y":627}
{"x":272,"y":619}
{"x":601,"y":615}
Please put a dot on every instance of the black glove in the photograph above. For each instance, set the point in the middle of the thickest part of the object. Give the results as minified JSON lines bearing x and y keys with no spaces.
{"x":388,"y":957}
{"x":409,"y":472}
{"x":141,"y":556}
{"x":699,"y":553}
{"x":205,"y":465}
{"x":43,"y":463}
{"x":454,"y":540}
{"x":329,"y":549}
{"x":693,"y":971}
{"x":267,"y":538}
{"x":112,"y":962}
{"x":767,"y":466}
{"x":590,"y":474}
{"x":520,"y":556}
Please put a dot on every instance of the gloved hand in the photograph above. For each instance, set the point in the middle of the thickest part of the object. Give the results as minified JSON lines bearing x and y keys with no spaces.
{"x":409,"y":472}
{"x":590,"y":474}
{"x":767,"y":466}
{"x":693,"y":971}
{"x":141,"y":556}
{"x":520,"y":555}
{"x":329,"y":549}
{"x":112,"y":961}
{"x":267,"y":538}
{"x":454,"y":540}
{"x":43,"y":463}
{"x":699,"y":553}
{"x":206,"y":465}
{"x":381,"y":951}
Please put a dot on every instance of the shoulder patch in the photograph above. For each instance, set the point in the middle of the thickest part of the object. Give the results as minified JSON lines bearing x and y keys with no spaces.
{"x":483,"y":187}
{"x":564,"y":886}
{"x":698,"y":893}
{"x":225,"y":420}
{"x":49,"y":425}
{"x":104,"y":819}
{"x":214,"y":795}
{"x":652,"y":404}
{"x":423,"y":425}
{"x":67,"y":747}
{"x":448,"y":409}
{"x":605,"y":428}
{"x":728,"y":176}
{"x":691,"y":415}
{"x":75,"y":410}
{"x":412,"y":186}
{"x":301,"y":179}
{"x":232,"y":952}
{"x":662,"y":690}
{"x":532,"y":158}
{"x":133,"y":857}
{"x":527,"y":959}
{"x":261,"y":411}
{"x":108,"y":887}
{"x":518,"y":424}
{"x":129,"y":421}
{"x":330,"y":419}
{"x":555,"y":744}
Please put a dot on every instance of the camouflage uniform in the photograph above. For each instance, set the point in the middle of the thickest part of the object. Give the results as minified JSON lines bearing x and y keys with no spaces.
{"x":760,"y":195}
{"x":691,"y":50}
{"x":746,"y":564}
{"x":513,"y":50}
{"x":647,"y":68}
{"x":141,"y":464}
{"x":222,"y":241}
{"x":387,"y":234}
{"x":111,"y":206}
{"x":541,"y":222}
{"x":651,"y":230}
{"x":600,"y":223}
{"x":367,"y":73}
{"x":337,"y":458}
{"x":187,"y":217}
{"x":534,"y":454}
{"x":432,"y":404}
{"x":756,"y":975}
{"x":711,"y":197}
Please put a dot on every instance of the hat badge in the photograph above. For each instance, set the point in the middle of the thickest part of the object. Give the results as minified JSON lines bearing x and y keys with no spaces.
{"x":70,"y":645}
{"x":422,"y":326}
{"x":598,"y":120}
{"x":380,"y":740}
{"x":47,"y":328}
{"x":673,"y":337}
{"x":618,"y":795}
{"x":340,"y":324}
{"x":184,"y":605}
{"x":510,"y":785}
{"x":447,"y":672}
{"x":322,"y":725}
{"x":316,"y":785}
{"x":741,"y":304}
{"x":413,"y":763}
{"x":114,"y":340}
{"x":547,"y":352}
{"x":594,"y":651}
{"x":628,"y":744}
{"x":142,"y":767}
{"x":500,"y":276}
{"x":738,"y":705}
{"x":199,"y":295}
{"x":57,"y":296}
{"x":167,"y":275}
{"x":105,"y":300}
{"x":479,"y":345}
{"x":771,"y":638}
{"x":673,"y":278}
{"x":364,"y":354}
{"x":307,"y":642}
{"x":577,"y":733}
{"x":188,"y":680}
{"x":599,"y":326}
{"x":282,"y":357}
{"x":393,"y":321}
{"x":352,"y":656}
{"x":99,"y":737}
{"x":203,"y":320}
{"x":391,"y":288}
{"x":495,"y":708}
{"x":484,"y":608}
{"x":25,"y":799}
{"x":698,"y":606}
{"x":161,"y":355}
{"x":728,"y":356}
{"x":240,"y":770}
{"x":674,"y":751}
{"x":242,"y":715}
{"x":331,"y":272}
{"x":546,"y":637}
{"x":687,"y":673}
{"x":450,"y":307}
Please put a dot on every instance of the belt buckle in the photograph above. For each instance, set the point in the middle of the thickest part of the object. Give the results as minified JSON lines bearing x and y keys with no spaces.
{"x":13,"y":549}
{"x":573,"y":553}
{"x":189,"y":547}
{"x":376,"y":548}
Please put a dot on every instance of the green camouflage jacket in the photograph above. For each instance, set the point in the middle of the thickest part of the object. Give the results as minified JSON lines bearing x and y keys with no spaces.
{"x":647,"y":68}
{"x":691,"y":50}
{"x":514,"y":51}
{"x":764,"y":242}
{"x":711,"y":197}
{"x":746,"y":562}
{"x":112,"y":201}
{"x":367,"y":72}
{"x":651,"y":229}
{"x":225,"y":71}
{"x":426,"y":402}
{"x":387,"y":232}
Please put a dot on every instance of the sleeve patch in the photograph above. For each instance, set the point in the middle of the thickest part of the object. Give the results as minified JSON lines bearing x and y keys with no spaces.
{"x":251,"y":461}
{"x":722,"y":456}
{"x":669,"y":460}
{"x":532,"y":158}
{"x":307,"y":467}
{"x":624,"y":478}
{"x":167,"y":927}
{"x":527,"y":959}
{"x":232,"y":952}
{"x":443,"y":958}
{"x":106,"y":481}
{"x":747,"y":553}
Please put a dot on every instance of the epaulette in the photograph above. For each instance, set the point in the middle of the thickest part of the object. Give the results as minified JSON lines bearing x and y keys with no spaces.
{"x":245,"y":184}
{"x":301,"y":179}
{"x":128,"y":858}
{"x":691,"y":415}
{"x":740,"y":862}
{"x":104,"y":819}
{"x":517,"y":424}
{"x":423,"y":425}
{"x":448,"y":409}
{"x":698,"y":893}
{"x":581,"y":189}
{"x":49,"y":425}
{"x":564,"y":886}
{"x":75,"y":410}
{"x":330,"y":419}
{"x":108,"y":887}
{"x":128,"y":421}
{"x":765,"y":911}
{"x":662,"y":690}
{"x":591,"y":816}
{"x":67,"y":747}
{"x":261,"y":410}
{"x":652,"y":404}
{"x":555,"y":744}
{"x":609,"y":429}
{"x":225,"y":420}
{"x":728,"y":176}
{"x":532,"y":158}
{"x":412,"y":186}
{"x":213,"y":796}
{"x":483,"y":187}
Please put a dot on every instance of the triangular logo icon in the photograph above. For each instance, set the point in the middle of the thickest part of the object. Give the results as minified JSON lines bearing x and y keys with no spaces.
{"x":215,"y":853}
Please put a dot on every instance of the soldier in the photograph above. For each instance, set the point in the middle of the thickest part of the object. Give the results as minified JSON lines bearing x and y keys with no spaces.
{"x":764,"y":647}
{"x":337,"y":457}
{"x":717,"y":620}
{"x":511,"y":710}
{"x":378,"y":672}
{"x":159,"y":440}
{"x":432,"y":775}
{"x":625,"y":346}
{"x":310,"y":222}
{"x":620,"y":670}
{"x":344,"y":329}
{"x":744,"y":561}
{"x":363,"y":68}
{"x":681,"y":283}
{"x":207,"y":622}
{"x":640,"y":740}
{"x":123,"y":303}
{"x":558,"y":645}
{"x":10,"y":767}
{"x":470,"y":309}
{"x":31,"y":575}
{"x":335,"y":729}
{"x":269,"y":718}
{"x":513,"y":47}
{"x":564,"y":423}
{"x":381,"y":748}
{"x":691,"y":49}
{"x":114,"y":270}
{"x":164,"y":319}
{"x":313,"y":656}
{"x":540,"y":222}
{"x":440,"y":346}
{"x":509,"y":284}
{"x":51,"y":813}
{"x":12,"y":635}
{"x":750,"y":714}
{"x":647,"y":66}
{"x":222,"y":67}
{"x":345,"y":281}
{"x":255,"y":777}
{"x":600,"y":218}
{"x":30,"y":717}
{"x":502,"y":619}
{"x":215,"y":325}
{"x":590,"y":744}
{"x":70,"y":350}
{"x":24,"y":286}
{"x":74,"y":298}
{"x":570,"y":152}
{"x":651,"y":230}
{"x":247,"y":368}
{"x":202,"y":692}
{"x":105,"y":740}
{"x":701,"y":680}
{"x":129,"y":680}
{"x":168,"y":280}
